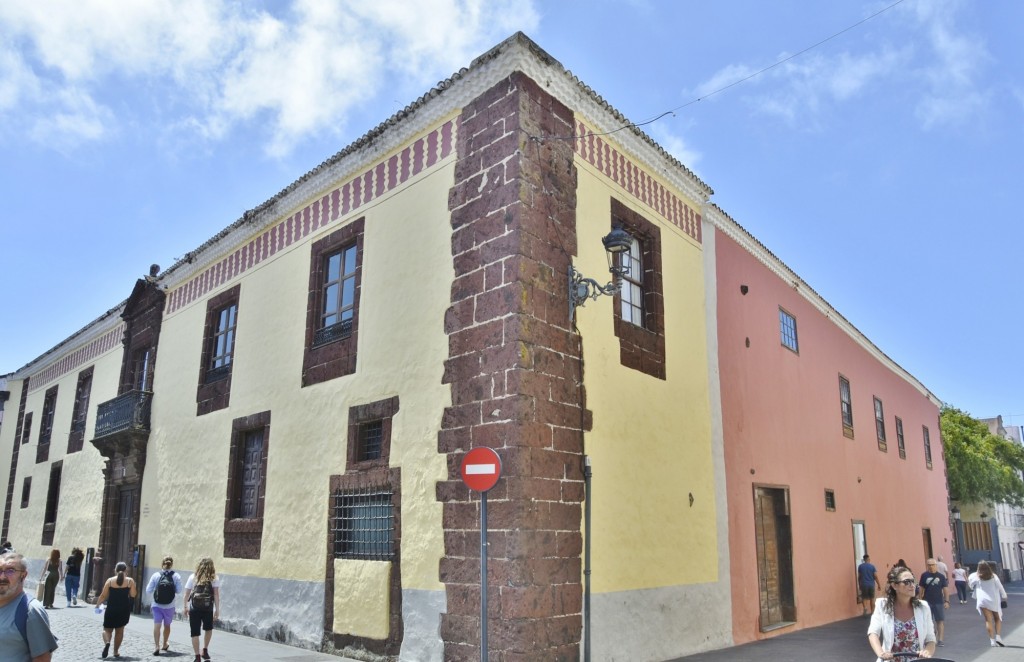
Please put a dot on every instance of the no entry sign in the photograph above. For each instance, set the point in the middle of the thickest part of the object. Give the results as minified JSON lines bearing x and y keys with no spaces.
{"x":481,"y":469}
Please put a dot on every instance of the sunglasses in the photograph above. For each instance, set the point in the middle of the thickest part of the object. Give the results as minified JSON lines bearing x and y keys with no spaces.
{"x":905,"y":582}
{"x":10,"y":573}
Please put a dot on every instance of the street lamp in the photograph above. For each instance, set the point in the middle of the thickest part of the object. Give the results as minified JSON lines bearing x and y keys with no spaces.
{"x":582,"y":288}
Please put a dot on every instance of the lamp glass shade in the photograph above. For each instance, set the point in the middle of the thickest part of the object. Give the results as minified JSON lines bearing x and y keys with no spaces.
{"x":617,"y":241}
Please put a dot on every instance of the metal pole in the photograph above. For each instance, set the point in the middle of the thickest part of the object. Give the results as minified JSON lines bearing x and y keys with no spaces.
{"x":483,"y":577}
{"x":586,"y":559}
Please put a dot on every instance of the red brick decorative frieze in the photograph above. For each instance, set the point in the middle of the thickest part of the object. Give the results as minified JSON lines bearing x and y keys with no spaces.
{"x":377,"y":180}
{"x":615,"y":165}
{"x":65,"y":364}
{"x":514,"y":371}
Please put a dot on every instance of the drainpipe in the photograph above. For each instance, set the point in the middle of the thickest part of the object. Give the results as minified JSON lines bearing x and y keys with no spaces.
{"x":586,"y":559}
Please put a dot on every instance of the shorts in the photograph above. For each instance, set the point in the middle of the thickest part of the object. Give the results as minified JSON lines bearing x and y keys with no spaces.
{"x":867,"y":592}
{"x":938,"y":611}
{"x":163,"y":615}
{"x":195,"y":618}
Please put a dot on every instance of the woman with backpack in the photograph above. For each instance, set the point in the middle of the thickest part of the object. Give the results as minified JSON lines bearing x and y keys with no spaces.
{"x":202,"y":604}
{"x":119,"y":593}
{"x":165,"y":585}
{"x":73,"y":575}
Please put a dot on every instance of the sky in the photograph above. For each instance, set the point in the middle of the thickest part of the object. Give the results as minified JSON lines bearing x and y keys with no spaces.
{"x":874,"y":147}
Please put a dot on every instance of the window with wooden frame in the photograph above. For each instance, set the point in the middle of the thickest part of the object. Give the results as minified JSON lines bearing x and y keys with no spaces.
{"x":46,"y":425}
{"x":927,"y":446}
{"x":900,"y":441}
{"x":218,"y":354}
{"x":846,"y":406}
{"x":369,"y":434}
{"x":246,"y":491}
{"x":52,"y":503}
{"x":880,"y":425}
{"x":787,"y":331}
{"x":639,"y":312}
{"x":26,"y":429}
{"x":80,"y":411}
{"x":332,"y":313}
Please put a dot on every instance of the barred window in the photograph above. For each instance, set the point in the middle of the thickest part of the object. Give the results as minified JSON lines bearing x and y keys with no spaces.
{"x":830,"y":500}
{"x":371,"y":437}
{"x":363,"y":524}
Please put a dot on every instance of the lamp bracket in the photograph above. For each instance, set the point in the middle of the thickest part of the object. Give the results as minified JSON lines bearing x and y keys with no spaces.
{"x":582,"y":288}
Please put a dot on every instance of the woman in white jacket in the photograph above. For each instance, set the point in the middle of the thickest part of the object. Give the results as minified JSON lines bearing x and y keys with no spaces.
{"x":989,"y":595}
{"x":901,"y":623}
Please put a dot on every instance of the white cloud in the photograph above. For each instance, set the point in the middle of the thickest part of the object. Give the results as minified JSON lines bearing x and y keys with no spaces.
{"x":212,"y":65}
{"x":676,"y":145}
{"x":953,"y":95}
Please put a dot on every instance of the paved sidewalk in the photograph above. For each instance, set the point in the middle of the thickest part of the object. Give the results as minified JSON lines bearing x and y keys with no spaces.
{"x":80,"y":629}
{"x":847,"y":641}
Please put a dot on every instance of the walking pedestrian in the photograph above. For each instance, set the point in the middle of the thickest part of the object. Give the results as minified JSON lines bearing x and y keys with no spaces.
{"x":901,"y":623}
{"x":202,"y":604}
{"x":165,"y":585}
{"x":73,"y":576}
{"x":943,"y":568}
{"x":867,"y":580}
{"x":37,"y":643}
{"x":934,"y":588}
{"x":53,"y":571}
{"x":990,"y":598}
{"x":960,"y":581}
{"x":119,"y":593}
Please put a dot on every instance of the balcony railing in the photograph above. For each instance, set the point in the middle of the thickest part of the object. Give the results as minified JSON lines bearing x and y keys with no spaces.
{"x":129,"y":411}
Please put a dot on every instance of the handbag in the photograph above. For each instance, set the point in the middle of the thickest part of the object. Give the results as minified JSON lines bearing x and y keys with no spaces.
{"x":1002,"y":604}
{"x":39,"y":591}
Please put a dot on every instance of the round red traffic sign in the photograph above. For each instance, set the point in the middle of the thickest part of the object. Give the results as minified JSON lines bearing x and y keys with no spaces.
{"x":481,"y":469}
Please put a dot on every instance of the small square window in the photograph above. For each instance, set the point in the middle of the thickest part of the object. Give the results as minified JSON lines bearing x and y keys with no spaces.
{"x":371,"y":435}
{"x":787,"y":331}
{"x":830,"y":500}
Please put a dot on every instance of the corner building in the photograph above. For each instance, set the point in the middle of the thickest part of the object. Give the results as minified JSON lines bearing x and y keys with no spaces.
{"x":295,"y":396}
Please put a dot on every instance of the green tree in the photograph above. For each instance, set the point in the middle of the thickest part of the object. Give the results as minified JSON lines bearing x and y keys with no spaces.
{"x":982,"y":467}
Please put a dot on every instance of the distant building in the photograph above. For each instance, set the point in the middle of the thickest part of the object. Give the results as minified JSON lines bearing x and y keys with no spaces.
{"x":295,"y":396}
{"x":1009,"y":520}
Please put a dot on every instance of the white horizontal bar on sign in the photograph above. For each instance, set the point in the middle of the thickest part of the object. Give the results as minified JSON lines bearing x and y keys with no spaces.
{"x":472,"y":469}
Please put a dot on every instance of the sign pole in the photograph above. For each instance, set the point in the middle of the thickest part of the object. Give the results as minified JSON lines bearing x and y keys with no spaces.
{"x":483,"y":577}
{"x":481,"y":469}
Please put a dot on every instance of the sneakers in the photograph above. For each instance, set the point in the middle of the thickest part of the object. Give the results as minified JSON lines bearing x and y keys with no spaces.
{"x":206,"y":656}
{"x":992,"y":643}
{"x":74,"y":599}
{"x":999,"y":641}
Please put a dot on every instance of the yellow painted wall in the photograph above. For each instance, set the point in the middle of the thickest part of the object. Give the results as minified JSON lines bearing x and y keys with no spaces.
{"x":81,"y":493}
{"x":650,"y":445}
{"x":406,"y":280}
{"x":358,"y":582}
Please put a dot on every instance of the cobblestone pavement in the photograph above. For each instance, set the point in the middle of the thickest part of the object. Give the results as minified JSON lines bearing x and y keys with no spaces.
{"x":79,"y":630}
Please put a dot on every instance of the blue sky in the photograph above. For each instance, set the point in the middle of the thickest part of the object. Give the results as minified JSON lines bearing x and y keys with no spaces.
{"x":883,"y":166}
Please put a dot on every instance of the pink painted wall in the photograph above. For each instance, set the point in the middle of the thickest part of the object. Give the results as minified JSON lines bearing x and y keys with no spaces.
{"x":782,"y":427}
